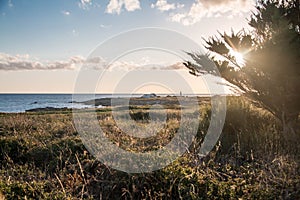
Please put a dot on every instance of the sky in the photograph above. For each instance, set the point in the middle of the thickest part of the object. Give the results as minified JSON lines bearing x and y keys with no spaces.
{"x":45,"y":44}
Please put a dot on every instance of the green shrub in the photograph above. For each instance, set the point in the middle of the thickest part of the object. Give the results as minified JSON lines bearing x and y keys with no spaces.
{"x":12,"y":150}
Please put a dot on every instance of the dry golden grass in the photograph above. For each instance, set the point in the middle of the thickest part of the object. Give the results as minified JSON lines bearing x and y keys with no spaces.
{"x":42,"y":157}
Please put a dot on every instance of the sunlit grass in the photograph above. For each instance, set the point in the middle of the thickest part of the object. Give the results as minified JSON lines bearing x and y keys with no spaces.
{"x":42,"y":157}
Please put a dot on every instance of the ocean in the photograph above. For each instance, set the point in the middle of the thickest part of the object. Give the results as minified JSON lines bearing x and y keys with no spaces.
{"x":14,"y":103}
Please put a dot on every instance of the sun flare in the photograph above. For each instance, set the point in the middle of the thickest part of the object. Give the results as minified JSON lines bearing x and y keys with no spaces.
{"x":238,"y":57}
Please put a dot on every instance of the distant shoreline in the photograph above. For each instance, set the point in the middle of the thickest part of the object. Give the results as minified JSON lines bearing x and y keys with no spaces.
{"x":139,"y":101}
{"x":17,"y":103}
{"x":109,"y":102}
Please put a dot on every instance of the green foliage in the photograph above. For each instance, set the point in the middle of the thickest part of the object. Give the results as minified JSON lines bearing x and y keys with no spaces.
{"x":12,"y":150}
{"x":33,"y":190}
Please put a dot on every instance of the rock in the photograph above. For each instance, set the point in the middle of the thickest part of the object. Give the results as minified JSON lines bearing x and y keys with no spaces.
{"x":148,"y":96}
{"x":47,"y":109}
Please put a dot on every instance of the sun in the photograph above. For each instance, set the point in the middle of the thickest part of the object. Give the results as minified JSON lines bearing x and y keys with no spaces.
{"x":238,"y":57}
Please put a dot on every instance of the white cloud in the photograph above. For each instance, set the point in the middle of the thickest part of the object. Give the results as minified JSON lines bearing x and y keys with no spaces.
{"x":175,"y":66}
{"x":163,"y":5}
{"x":178,"y":5}
{"x":25,"y":63}
{"x":129,"y":66}
{"x":85,"y":4}
{"x":10,"y":4}
{"x":64,"y":12}
{"x":212,"y":8}
{"x":104,"y":26}
{"x":132,"y":5}
{"x":115,"y":6}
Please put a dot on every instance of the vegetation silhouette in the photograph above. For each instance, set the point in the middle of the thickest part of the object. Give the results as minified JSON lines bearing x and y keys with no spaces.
{"x":269,"y":72}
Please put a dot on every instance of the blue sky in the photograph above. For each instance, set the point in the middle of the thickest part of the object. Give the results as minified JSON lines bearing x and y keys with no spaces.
{"x":39,"y":38}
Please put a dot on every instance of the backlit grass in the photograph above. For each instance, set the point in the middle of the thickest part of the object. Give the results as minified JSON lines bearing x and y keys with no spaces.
{"x":42,"y":157}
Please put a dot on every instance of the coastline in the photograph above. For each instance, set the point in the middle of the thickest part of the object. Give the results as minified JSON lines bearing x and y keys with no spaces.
{"x":20,"y":103}
{"x":98,"y":103}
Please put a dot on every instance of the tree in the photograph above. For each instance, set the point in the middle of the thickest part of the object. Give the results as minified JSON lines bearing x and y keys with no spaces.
{"x":263,"y":62}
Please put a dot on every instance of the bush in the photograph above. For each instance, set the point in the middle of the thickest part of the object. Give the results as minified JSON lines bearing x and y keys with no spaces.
{"x":12,"y":150}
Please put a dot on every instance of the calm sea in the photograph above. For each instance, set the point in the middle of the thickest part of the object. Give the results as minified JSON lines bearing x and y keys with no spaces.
{"x":11,"y":103}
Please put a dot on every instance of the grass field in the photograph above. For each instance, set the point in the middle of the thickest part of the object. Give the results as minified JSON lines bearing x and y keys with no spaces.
{"x":42,"y":157}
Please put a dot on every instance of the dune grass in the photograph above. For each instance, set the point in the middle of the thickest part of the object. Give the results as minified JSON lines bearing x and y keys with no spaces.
{"x":42,"y":157}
